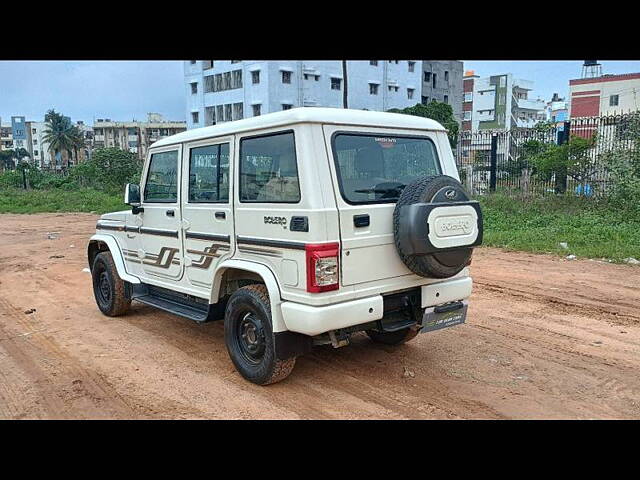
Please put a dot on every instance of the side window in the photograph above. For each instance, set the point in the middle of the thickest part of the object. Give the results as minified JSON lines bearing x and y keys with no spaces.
{"x":268,"y":170}
{"x":209,"y":174}
{"x":162,"y":178}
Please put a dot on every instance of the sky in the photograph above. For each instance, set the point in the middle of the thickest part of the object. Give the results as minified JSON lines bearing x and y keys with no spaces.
{"x":127,"y":90}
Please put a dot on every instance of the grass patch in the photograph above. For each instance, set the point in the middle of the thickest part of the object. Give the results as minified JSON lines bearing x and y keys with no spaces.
{"x":591,"y":229}
{"x":41,"y":201}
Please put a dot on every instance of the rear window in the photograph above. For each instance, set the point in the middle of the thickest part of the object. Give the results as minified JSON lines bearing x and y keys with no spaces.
{"x":374,"y":168}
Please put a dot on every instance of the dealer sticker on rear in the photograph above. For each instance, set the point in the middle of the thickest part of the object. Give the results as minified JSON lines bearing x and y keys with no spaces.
{"x":435,"y":321}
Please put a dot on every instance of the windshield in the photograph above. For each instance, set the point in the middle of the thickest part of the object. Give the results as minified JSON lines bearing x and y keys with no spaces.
{"x":374,"y":168}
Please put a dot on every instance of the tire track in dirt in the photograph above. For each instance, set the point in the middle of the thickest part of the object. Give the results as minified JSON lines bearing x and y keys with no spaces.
{"x":73,"y":384}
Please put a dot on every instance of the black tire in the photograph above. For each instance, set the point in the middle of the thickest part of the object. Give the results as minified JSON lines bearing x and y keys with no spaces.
{"x":110,"y":291}
{"x":437,"y":265}
{"x":393,"y":338}
{"x":249,"y":337}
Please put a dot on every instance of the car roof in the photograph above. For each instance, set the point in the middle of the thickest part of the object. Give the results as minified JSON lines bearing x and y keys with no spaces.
{"x":336,"y":116}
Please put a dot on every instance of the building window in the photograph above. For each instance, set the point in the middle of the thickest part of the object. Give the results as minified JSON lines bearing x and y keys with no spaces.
{"x":467,"y":115}
{"x":446,"y":76}
{"x":207,"y":64}
{"x":236,"y":79}
{"x":393,"y":88}
{"x":238,"y":112}
{"x":255,"y":77}
{"x":286,"y":106}
{"x":427,"y":76}
{"x":209,"y":84}
{"x":219,"y":113}
{"x":228,"y":112}
{"x":434,"y":80}
{"x":373,"y":89}
{"x":209,"y":116}
{"x":446,"y":99}
{"x":195,"y":117}
{"x":286,"y":77}
{"x":236,"y":61}
{"x":425,"y":100}
{"x":613,"y":100}
{"x":192,"y":62}
{"x":35,"y":152}
{"x":373,"y":62}
{"x":194,"y":88}
{"x":256,"y":110}
{"x":412,"y":66}
{"x":468,"y":97}
{"x":410,"y":93}
{"x":336,"y":83}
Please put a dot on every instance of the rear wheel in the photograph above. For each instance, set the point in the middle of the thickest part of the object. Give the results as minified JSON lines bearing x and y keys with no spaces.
{"x":249,"y":337}
{"x":393,"y":338}
{"x":109,"y":289}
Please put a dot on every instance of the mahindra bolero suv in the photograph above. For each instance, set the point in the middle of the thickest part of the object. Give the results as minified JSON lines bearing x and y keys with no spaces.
{"x":296,"y":229}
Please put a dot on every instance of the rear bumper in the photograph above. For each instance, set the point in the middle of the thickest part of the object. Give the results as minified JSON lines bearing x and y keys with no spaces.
{"x":311,"y":321}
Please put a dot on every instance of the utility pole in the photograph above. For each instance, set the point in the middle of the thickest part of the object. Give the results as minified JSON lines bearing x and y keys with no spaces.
{"x":345,"y":102}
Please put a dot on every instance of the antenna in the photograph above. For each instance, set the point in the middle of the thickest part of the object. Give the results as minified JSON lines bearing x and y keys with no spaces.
{"x":591,"y":69}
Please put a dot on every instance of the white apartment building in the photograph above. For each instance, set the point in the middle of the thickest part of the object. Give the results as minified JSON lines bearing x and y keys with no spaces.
{"x":224,"y":90}
{"x":499,"y":102}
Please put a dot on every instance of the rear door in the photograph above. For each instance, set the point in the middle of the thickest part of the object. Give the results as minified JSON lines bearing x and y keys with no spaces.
{"x":207,"y":213}
{"x":370,"y":168}
{"x":160,"y":250}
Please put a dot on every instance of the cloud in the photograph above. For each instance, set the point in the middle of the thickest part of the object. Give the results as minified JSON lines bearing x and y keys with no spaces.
{"x":120,"y":90}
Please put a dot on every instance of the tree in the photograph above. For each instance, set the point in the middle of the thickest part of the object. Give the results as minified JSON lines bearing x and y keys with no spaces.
{"x":571,"y":159}
{"x":438,"y":111}
{"x":62,"y":136}
{"x":108,"y":169}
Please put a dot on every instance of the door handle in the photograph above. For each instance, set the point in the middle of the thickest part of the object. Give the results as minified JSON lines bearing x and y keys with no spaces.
{"x":221,"y":215}
{"x":170,"y":213}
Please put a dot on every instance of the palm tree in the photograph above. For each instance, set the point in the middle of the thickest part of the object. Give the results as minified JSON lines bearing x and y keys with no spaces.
{"x":62,"y":136}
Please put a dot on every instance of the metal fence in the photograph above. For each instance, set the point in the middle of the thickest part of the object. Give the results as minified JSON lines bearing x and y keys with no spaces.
{"x":504,"y":161}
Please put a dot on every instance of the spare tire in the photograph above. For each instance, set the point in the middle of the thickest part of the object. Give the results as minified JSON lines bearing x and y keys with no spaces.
{"x":433,"y":190}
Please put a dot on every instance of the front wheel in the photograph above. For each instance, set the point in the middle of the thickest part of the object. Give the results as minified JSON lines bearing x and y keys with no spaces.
{"x":249,"y":337}
{"x":109,"y":289}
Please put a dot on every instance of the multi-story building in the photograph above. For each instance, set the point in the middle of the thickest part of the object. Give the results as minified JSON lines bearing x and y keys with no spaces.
{"x":224,"y":90}
{"x":6,"y":136}
{"x":557,"y":110}
{"x":442,"y":82}
{"x":499,"y":102}
{"x":604,"y":95}
{"x":133,"y":136}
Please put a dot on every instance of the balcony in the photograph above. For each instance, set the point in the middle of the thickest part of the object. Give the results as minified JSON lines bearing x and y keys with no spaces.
{"x":527,"y":104}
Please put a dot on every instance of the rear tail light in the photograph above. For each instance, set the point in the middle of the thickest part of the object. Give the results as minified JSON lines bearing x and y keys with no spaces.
{"x":322,"y":267}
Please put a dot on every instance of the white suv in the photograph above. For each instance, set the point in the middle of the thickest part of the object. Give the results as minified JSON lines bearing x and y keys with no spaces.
{"x":297,"y":228}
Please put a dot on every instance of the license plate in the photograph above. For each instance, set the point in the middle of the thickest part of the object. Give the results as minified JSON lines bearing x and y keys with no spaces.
{"x":435,"y":321}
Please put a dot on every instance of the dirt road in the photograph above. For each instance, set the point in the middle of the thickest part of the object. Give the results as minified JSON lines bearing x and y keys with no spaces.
{"x":545,"y":338}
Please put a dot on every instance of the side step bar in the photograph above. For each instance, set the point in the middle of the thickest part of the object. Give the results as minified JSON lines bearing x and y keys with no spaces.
{"x":173,"y":302}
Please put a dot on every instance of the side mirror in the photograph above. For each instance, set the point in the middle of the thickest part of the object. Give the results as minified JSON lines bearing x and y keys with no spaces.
{"x":132,"y":197}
